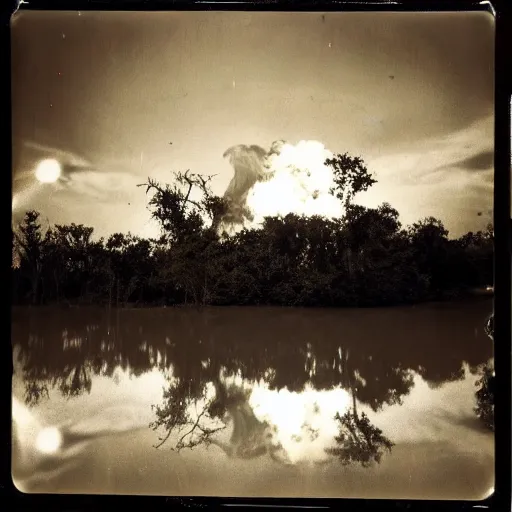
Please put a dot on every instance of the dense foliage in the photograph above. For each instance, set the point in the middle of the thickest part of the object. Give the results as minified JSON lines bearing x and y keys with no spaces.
{"x":365,"y":258}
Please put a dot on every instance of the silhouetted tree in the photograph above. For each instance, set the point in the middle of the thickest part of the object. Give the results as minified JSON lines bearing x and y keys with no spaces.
{"x":129,"y":267}
{"x":351,"y":176}
{"x":429,"y":240}
{"x":182,"y":207}
{"x":76,"y":256}
{"x":29,"y":240}
{"x":365,"y":258}
{"x":183,"y":210}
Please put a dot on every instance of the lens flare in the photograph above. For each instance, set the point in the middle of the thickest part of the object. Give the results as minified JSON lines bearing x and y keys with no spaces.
{"x":48,"y":171}
{"x":49,"y":440}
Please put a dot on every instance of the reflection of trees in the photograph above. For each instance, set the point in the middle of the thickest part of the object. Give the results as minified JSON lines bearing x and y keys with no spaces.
{"x":489,"y":327}
{"x":175,"y":416}
{"x":485,"y":397}
{"x":64,"y":350}
{"x":193,"y":418}
{"x":35,"y":391}
{"x":485,"y":394}
{"x":358,"y":440}
{"x":396,"y":383}
{"x":72,"y":382}
{"x":372,"y":354}
{"x":373,"y":357}
{"x":75,"y":380}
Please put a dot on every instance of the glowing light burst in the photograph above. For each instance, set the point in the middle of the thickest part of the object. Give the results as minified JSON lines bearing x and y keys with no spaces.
{"x":297,"y":181}
{"x":304,"y":422}
{"x":49,"y":440}
{"x":48,"y":171}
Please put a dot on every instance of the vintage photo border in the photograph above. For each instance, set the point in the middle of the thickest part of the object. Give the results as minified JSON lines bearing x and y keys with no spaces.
{"x":12,"y":499}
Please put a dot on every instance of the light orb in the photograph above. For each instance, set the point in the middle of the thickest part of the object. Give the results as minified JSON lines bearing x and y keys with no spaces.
{"x":49,"y":440}
{"x":48,"y":171}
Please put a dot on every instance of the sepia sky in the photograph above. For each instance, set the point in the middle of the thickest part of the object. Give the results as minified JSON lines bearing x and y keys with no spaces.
{"x":106,"y":93}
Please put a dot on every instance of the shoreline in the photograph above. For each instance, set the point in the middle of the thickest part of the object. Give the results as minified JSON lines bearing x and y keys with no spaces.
{"x":462,"y":299}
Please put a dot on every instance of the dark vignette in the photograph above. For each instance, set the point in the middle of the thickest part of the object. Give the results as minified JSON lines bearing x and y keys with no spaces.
{"x":501,"y":500}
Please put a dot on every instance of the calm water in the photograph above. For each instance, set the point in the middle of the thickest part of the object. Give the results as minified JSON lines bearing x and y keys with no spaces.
{"x":242,"y":402}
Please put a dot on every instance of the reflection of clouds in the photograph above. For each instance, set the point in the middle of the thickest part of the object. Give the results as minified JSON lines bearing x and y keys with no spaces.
{"x":303,"y":423}
{"x":79,"y":422}
{"x":34,"y":462}
{"x":441,"y":415}
{"x":424,"y":428}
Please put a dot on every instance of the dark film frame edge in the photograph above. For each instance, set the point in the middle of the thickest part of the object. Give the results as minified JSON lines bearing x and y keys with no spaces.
{"x":501,"y":499}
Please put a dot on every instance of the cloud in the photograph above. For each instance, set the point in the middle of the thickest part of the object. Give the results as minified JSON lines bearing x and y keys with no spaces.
{"x":479,"y":162}
{"x":449,"y":177}
{"x":91,"y":193}
{"x":470,"y":148}
{"x":60,"y":154}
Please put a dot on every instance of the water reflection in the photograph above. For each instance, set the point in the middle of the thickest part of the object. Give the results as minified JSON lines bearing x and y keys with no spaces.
{"x":43,"y":451}
{"x":485,"y":395}
{"x":308,"y":387}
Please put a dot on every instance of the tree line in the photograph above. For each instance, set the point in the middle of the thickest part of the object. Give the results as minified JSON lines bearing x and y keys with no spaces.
{"x":364,"y":258}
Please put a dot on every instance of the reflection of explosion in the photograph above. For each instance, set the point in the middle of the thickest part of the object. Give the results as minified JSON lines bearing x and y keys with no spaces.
{"x":291,"y":427}
{"x":303,"y":422}
{"x":286,"y":179}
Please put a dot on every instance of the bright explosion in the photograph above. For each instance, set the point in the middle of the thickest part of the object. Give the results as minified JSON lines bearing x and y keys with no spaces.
{"x":299,"y":182}
{"x":288,"y":179}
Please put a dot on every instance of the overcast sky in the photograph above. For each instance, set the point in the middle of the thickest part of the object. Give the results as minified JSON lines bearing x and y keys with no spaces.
{"x":106,"y":93}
